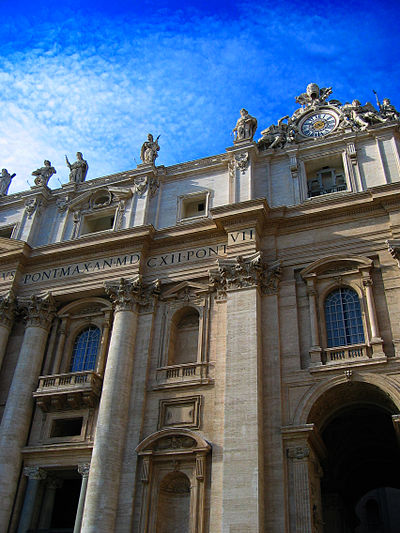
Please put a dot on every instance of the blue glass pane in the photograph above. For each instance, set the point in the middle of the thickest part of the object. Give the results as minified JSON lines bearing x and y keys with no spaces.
{"x":343,"y":318}
{"x":85,"y":350}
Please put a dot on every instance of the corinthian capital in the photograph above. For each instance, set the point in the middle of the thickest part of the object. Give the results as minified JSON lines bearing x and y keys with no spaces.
{"x":244,"y":272}
{"x":39,"y":312}
{"x":127,"y":294}
{"x":7,"y":309}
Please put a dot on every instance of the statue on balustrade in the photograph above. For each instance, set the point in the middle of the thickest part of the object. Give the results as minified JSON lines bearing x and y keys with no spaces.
{"x":246,"y":127}
{"x":148,"y":152}
{"x":5,"y":181}
{"x":78,"y":170}
{"x":44,"y":173}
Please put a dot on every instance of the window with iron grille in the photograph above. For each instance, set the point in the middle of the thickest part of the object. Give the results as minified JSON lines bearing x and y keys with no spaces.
{"x":85,"y":350}
{"x":343,"y":318}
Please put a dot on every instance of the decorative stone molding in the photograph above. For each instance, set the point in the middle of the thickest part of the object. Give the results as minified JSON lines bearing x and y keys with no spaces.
{"x":126,"y":294}
{"x":31,"y":204}
{"x":7,"y":309}
{"x":394,"y":249}
{"x":39,"y":312}
{"x":140,"y":185}
{"x":83,"y":469}
{"x":34,"y":472}
{"x":239,"y":161}
{"x":153,"y":186}
{"x":244,"y":272}
{"x":352,"y":153}
{"x":298,"y":453}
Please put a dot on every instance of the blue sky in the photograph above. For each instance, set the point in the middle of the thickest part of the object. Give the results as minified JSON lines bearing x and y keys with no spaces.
{"x":98,"y":76}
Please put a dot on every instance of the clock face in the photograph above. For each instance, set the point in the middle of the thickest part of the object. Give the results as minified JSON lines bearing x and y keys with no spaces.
{"x":319,"y":124}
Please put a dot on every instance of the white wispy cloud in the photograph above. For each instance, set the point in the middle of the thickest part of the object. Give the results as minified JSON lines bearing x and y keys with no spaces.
{"x":99,"y":85}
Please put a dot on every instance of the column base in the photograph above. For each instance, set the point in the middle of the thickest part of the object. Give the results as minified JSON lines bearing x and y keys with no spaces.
{"x":315,"y":356}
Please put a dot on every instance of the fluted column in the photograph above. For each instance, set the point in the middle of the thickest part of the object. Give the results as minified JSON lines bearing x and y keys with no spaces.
{"x":7,"y":310}
{"x":304,"y":449}
{"x":104,"y":477}
{"x":83,"y":469}
{"x":34,"y":475}
{"x":18,"y":411}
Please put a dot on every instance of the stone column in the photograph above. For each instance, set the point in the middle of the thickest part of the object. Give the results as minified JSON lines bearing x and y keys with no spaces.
{"x":7,"y":309}
{"x":241,"y":281}
{"x":101,"y":360}
{"x":18,"y":411}
{"x":60,"y":346}
{"x":376,"y":341}
{"x":34,"y":475}
{"x":105,"y":470}
{"x":52,"y":484}
{"x":304,"y":448}
{"x":315,"y":350}
{"x":83,"y":469}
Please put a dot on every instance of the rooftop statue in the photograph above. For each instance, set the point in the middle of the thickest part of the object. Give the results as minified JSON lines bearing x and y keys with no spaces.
{"x":5,"y":180}
{"x":44,"y":174}
{"x":148,"y":152}
{"x":78,"y":170}
{"x":362,"y":116}
{"x":387,"y":110}
{"x":313,"y":95}
{"x":276,"y":136}
{"x":245,"y":127}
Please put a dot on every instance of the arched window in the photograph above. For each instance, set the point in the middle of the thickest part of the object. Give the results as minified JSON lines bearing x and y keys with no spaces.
{"x":343,"y":318}
{"x":85,"y":350}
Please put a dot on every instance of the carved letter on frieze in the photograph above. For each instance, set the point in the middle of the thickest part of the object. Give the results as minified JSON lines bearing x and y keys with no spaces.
{"x":39,"y":312}
{"x":7,"y":309}
{"x":126,"y":294}
{"x":244,"y":272}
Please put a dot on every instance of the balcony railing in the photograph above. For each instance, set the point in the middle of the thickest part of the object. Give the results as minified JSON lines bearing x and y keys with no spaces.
{"x":346,"y":353}
{"x":181,"y":375}
{"x":72,"y":390}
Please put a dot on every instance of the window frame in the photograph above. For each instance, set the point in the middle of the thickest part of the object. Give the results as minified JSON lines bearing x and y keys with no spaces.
{"x":74,"y":344}
{"x":186,"y":199}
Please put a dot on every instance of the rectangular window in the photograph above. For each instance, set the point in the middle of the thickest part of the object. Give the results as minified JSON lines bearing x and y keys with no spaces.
{"x":325,"y":175}
{"x":6,"y":231}
{"x":66,"y":427}
{"x":94,"y":224}
{"x":193,"y":205}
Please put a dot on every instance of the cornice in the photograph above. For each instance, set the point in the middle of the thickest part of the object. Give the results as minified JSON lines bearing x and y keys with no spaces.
{"x":12,"y":250}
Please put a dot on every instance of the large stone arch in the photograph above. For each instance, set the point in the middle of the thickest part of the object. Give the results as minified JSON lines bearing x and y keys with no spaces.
{"x":385,"y":384}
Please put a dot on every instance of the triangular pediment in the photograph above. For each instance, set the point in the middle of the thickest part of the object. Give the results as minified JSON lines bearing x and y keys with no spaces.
{"x":185,"y":287}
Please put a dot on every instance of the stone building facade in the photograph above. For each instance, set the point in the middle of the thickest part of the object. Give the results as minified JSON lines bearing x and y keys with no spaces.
{"x":211,"y":347}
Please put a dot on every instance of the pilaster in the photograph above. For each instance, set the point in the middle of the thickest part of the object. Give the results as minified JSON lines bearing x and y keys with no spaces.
{"x":241,"y":282}
{"x":7,"y":312}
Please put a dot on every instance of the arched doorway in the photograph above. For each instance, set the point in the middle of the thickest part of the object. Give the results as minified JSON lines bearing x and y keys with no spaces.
{"x":361,"y":468}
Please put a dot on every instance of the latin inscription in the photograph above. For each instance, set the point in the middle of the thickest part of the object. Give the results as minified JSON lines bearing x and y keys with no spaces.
{"x":102,"y":265}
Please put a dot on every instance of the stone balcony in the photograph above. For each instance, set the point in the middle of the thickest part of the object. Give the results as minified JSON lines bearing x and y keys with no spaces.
{"x":183,"y":375}
{"x":74,"y":390}
{"x":347,"y":353}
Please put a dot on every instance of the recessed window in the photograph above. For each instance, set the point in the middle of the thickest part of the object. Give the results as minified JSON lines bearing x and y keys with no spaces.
{"x":93,"y":224}
{"x":192,"y":206}
{"x":85,"y":350}
{"x":325,"y":176}
{"x":6,"y":232}
{"x":66,"y":427}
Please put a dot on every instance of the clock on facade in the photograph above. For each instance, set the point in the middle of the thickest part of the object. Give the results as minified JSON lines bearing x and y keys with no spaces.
{"x":319,"y":124}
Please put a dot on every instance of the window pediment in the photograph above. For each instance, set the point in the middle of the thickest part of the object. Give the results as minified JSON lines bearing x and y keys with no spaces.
{"x":173,"y":441}
{"x":336,"y":264}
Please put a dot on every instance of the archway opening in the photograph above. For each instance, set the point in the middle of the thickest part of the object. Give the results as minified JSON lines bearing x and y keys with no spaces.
{"x":361,"y":471}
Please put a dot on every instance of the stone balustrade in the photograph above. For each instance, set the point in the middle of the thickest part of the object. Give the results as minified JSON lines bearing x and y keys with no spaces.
{"x":346,"y":353}
{"x":69,"y":390}
{"x":182,"y":375}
